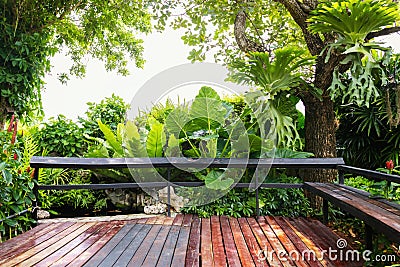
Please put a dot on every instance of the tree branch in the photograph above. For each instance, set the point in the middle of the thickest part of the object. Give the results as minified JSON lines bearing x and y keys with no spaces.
{"x":314,"y":42}
{"x":244,"y":43}
{"x":385,"y":31}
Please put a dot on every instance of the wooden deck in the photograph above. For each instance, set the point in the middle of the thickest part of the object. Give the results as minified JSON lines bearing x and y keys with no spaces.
{"x":181,"y":241}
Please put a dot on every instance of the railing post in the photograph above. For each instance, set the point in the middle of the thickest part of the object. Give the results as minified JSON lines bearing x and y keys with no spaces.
{"x":36,"y":194}
{"x":169,"y":193}
{"x":325,"y":211}
{"x":341,"y":177}
{"x":257,"y":197}
{"x":368,"y":237}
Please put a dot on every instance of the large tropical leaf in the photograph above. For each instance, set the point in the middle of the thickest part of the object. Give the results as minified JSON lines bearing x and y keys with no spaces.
{"x":111,"y":139}
{"x":273,"y":73}
{"x":155,"y":140}
{"x":176,"y":122}
{"x":353,"y":20}
{"x":207,"y":111}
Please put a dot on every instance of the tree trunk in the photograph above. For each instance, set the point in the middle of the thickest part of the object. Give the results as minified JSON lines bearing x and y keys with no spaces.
{"x":320,"y":139}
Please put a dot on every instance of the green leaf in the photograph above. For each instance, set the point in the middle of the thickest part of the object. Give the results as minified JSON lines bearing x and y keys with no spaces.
{"x":155,"y":140}
{"x":207,"y":109}
{"x":111,"y":138}
{"x":176,"y":122}
{"x":7,"y":176}
{"x":173,"y":149}
{"x":214,"y":180}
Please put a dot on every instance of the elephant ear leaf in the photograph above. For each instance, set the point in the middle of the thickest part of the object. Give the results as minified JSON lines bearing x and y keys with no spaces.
{"x":215,"y":180}
{"x":207,"y":109}
{"x":111,"y":138}
{"x":155,"y":140}
{"x":176,"y":122}
{"x":173,"y":149}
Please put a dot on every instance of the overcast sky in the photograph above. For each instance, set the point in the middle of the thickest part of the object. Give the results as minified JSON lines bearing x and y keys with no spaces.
{"x":162,"y":51}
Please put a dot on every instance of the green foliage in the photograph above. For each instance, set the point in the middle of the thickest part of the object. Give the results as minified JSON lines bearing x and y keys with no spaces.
{"x":79,"y":200}
{"x":61,"y":137}
{"x":352,"y":21}
{"x":273,"y":73}
{"x":16,"y":183}
{"x":369,"y":136}
{"x":376,"y":188}
{"x":33,"y":31}
{"x":109,"y":111}
{"x":241,"y":202}
{"x":209,"y":25}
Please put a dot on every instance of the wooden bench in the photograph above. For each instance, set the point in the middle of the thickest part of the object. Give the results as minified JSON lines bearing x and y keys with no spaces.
{"x":378,"y":214}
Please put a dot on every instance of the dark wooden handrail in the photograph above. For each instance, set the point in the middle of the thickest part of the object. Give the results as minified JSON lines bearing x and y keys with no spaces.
{"x":115,"y":163}
{"x":368,"y":174}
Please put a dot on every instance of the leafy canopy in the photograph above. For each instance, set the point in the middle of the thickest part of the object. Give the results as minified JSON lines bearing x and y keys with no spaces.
{"x":33,"y":31}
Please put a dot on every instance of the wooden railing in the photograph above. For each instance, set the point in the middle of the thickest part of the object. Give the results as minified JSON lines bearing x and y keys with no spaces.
{"x":169,"y":163}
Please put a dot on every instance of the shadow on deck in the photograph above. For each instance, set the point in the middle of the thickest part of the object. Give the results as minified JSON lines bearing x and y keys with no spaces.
{"x":183,"y":240}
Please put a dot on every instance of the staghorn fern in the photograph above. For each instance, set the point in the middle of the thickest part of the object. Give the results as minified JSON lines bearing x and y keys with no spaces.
{"x":352,"y":21}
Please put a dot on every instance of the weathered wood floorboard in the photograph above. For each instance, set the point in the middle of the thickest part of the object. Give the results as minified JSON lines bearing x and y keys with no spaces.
{"x":185,"y":240}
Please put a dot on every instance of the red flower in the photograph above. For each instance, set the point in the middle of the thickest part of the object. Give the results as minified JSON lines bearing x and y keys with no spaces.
{"x":15,"y":132}
{"x":389,"y":165}
{"x":15,"y":156}
{"x":11,"y":124}
{"x":28,"y":169}
{"x":19,"y":171}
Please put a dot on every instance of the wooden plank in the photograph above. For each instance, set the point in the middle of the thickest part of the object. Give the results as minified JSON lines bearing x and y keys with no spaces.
{"x":296,"y":240}
{"x":152,"y":220}
{"x":35,"y":232}
{"x":142,"y":220}
{"x":229,"y":242}
{"x":192,"y":254}
{"x":79,"y":250}
{"x":312,"y":246}
{"x":111,"y":229}
{"x":206,"y":243}
{"x":266,"y":239}
{"x":49,"y":250}
{"x":55,"y":235}
{"x":240,"y":242}
{"x":330,"y":238}
{"x":59,"y":253}
{"x":187,"y":220}
{"x":169,"y":247}
{"x":144,"y":248}
{"x":319,"y":239}
{"x":178,"y":220}
{"x":11,"y":250}
{"x":285,"y":243}
{"x":252,"y":243}
{"x":107,"y":248}
{"x":378,"y":218}
{"x":391,"y":207}
{"x":127,"y":255}
{"x":181,"y":245}
{"x":154,"y":253}
{"x":169,"y":221}
{"x":119,"y":249}
{"x":218,"y":245}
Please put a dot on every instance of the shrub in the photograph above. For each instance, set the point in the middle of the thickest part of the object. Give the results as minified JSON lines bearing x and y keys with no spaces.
{"x":61,"y":137}
{"x":16,"y":182}
{"x":109,"y":111}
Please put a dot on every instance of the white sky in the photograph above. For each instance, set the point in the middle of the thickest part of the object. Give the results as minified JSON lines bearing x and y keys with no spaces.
{"x":162,"y":51}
